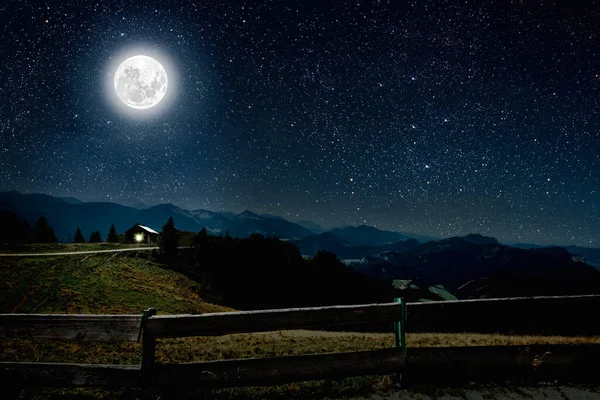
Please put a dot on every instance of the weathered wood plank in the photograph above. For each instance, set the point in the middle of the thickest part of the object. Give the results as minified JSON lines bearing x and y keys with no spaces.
{"x":457,"y":365}
{"x":522,"y":315}
{"x":117,"y":328}
{"x":434,"y":365}
{"x":273,"y":370}
{"x":224,"y":323}
{"x":68,"y":375}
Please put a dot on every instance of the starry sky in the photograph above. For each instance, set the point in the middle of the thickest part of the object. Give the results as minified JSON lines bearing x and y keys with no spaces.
{"x":434,"y":117}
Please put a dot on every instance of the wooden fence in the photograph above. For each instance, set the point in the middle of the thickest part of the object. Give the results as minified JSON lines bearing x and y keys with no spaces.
{"x":548,"y":315}
{"x":222,"y":373}
{"x":573,"y":315}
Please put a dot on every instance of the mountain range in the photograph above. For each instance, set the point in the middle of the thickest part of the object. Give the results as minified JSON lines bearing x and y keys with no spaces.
{"x":476,"y":266}
{"x":66,"y":214}
{"x":421,"y":268}
{"x":349,"y":242}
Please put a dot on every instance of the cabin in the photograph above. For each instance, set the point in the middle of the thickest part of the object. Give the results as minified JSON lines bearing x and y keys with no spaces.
{"x":141,"y":234}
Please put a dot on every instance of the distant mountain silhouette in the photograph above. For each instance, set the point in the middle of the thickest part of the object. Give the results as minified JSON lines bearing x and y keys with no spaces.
{"x":64,"y":215}
{"x":329,"y":241}
{"x":591,"y":255}
{"x":476,"y":238}
{"x":247,"y":222}
{"x":214,"y":221}
{"x":157,"y":216}
{"x":271,"y":216}
{"x":525,"y":245}
{"x":365,"y":235}
{"x":70,"y":200}
{"x":311,"y":226}
{"x":486,"y":269}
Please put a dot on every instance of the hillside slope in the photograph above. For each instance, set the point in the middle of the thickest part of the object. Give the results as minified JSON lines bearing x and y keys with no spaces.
{"x":119,"y":283}
{"x":478,"y":267}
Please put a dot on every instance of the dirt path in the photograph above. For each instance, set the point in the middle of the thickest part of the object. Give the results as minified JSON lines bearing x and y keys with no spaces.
{"x":67,"y":253}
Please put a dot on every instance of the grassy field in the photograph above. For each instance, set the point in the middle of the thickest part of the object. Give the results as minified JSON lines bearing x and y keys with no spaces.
{"x":126,"y":283}
{"x":104,"y":283}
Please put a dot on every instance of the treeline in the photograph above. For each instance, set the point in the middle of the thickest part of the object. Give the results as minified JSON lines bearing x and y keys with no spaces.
{"x":15,"y":232}
{"x":262,"y":272}
{"x":95,"y":236}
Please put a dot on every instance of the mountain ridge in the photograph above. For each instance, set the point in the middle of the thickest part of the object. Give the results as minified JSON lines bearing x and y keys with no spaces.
{"x":486,"y":269}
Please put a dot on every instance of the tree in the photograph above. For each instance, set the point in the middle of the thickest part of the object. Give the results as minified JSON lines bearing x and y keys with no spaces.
{"x":43,"y":232}
{"x":13,"y":231}
{"x":168,"y":241}
{"x":9,"y":227}
{"x":26,"y":234}
{"x":78,"y":236}
{"x":112,"y":235}
{"x":95,"y":237}
{"x":201,"y":238}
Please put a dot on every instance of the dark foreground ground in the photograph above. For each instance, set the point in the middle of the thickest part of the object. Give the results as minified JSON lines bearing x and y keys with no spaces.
{"x":541,"y":392}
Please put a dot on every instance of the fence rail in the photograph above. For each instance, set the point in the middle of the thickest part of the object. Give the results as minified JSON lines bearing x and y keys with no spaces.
{"x":546,"y":315}
{"x":106,"y":328}
{"x":442,"y":365}
{"x":557,"y":315}
{"x":30,"y":374}
{"x":168,"y":326}
{"x":274,"y":370}
{"x":222,"y":373}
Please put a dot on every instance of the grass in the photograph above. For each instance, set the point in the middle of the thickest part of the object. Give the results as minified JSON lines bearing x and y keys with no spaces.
{"x":252,"y":345}
{"x":126,"y":283}
{"x":104,"y":283}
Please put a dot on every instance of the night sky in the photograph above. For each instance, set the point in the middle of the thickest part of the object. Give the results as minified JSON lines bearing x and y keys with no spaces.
{"x":439,"y":118}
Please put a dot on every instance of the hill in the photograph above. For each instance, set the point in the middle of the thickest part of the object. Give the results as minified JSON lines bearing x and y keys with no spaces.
{"x":261,"y":272}
{"x":591,"y":255}
{"x":479,"y":267}
{"x":246,"y":223}
{"x":329,"y":241}
{"x":311,"y":226}
{"x":365,"y":235}
{"x":104,"y":283}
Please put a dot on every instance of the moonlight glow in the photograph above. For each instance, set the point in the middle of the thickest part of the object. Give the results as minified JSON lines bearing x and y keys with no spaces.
{"x":141,"y":82}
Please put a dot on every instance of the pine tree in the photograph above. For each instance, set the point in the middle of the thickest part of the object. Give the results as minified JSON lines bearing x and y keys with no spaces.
{"x":112,"y":235}
{"x":51,"y":235}
{"x":26,"y":234}
{"x":201,"y":239}
{"x":78,"y":236}
{"x":9,"y":227}
{"x":95,"y":237}
{"x":13,"y":231}
{"x":43,"y":233}
{"x":168,"y":241}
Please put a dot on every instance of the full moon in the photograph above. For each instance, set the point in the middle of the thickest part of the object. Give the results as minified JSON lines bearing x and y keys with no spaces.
{"x":141,"y":82}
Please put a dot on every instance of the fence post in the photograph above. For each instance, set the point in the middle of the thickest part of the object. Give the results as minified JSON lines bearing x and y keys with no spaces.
{"x":148,"y":340}
{"x":400,"y":334}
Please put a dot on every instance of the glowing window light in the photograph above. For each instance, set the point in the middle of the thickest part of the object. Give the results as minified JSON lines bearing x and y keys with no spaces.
{"x":139,"y":237}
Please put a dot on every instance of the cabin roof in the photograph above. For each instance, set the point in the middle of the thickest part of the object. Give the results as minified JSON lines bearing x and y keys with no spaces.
{"x":147,"y":229}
